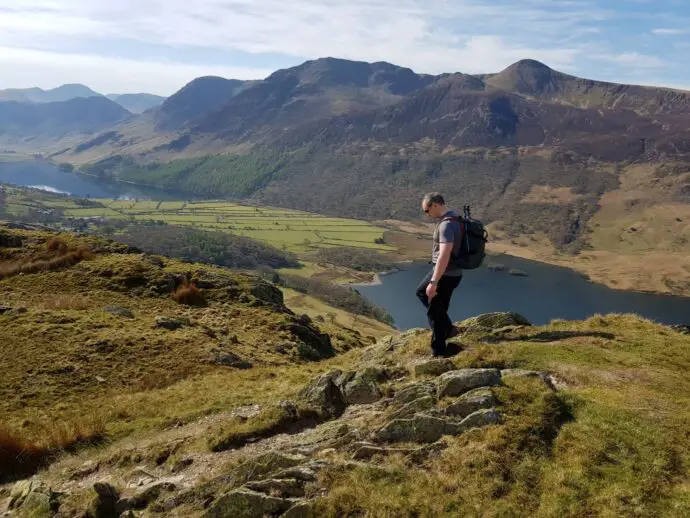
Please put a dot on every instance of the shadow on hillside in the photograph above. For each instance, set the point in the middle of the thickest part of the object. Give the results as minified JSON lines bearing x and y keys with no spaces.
{"x":553,"y":336}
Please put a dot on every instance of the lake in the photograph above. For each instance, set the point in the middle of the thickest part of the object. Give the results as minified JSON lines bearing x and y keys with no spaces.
{"x":47,"y":177}
{"x":548,"y":292}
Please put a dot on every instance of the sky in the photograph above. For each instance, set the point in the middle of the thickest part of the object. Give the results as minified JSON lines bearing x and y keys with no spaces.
{"x":157,"y":46}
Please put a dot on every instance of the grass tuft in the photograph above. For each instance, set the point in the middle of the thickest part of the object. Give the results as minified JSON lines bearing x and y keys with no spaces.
{"x":21,"y":455}
{"x":189,"y":294}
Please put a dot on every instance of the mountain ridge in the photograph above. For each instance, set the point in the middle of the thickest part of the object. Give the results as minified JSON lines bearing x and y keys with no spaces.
{"x":363,"y":140}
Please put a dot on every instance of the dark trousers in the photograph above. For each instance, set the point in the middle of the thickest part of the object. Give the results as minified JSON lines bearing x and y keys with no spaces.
{"x":437,"y":310}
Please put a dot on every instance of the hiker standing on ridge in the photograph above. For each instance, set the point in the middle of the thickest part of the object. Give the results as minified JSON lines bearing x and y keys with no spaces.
{"x":437,"y":287}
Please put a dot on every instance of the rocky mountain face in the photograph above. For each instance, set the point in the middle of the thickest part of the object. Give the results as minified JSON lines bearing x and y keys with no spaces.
{"x":196,"y":99}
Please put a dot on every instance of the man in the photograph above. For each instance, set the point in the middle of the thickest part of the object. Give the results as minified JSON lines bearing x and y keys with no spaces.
{"x":437,"y":287}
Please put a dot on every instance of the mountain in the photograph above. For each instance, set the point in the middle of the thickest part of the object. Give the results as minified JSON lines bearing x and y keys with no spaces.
{"x":534,"y":79}
{"x":137,"y":103}
{"x":38,"y":95}
{"x":549,"y":160}
{"x":58,"y":119}
{"x":313,"y":91}
{"x":196,"y":99}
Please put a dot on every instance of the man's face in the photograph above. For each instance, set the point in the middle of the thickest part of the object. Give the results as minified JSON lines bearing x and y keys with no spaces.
{"x":432,"y":210}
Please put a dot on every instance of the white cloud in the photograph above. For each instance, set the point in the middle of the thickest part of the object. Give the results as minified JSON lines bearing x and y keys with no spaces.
{"x":49,"y":69}
{"x":430,"y":36}
{"x":667,"y":32}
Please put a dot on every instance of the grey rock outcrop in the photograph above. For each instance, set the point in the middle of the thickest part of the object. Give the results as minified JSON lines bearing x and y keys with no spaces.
{"x":245,"y":503}
{"x":323,"y":394}
{"x":413,"y":391}
{"x":455,"y":383}
{"x":492,"y":321}
{"x":361,"y":387}
{"x":471,"y":402}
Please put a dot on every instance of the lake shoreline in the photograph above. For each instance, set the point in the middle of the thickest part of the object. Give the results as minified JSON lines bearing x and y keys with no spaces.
{"x":549,"y":292}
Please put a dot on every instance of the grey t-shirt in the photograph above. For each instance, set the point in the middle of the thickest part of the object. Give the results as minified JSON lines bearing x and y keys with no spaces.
{"x":447,"y":232}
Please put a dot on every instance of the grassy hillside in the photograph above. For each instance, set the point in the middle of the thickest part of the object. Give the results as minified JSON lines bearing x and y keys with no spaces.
{"x":593,"y":423}
{"x":91,"y":320}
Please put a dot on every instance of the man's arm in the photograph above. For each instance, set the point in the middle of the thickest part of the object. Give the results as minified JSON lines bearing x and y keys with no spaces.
{"x":445,"y":251}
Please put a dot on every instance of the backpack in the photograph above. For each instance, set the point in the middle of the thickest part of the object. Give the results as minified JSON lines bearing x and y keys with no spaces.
{"x":471,"y":252}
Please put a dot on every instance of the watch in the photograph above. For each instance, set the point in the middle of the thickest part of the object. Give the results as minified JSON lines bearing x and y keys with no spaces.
{"x":435,"y":283}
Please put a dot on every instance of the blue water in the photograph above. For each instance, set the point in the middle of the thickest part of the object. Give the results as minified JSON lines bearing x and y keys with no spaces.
{"x":46,"y":176}
{"x":548,"y":292}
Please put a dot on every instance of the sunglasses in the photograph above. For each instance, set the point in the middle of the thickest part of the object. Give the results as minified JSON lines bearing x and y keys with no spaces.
{"x":426,"y":211}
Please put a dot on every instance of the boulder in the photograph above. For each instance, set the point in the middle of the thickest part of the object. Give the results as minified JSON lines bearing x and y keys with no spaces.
{"x":267,"y":464}
{"x":40,"y":503}
{"x":413,"y":391}
{"x":34,"y":498}
{"x":455,"y":383}
{"x":471,"y":402}
{"x":361,"y":387}
{"x":283,"y":487}
{"x":119,"y":311}
{"x":303,"y":473}
{"x":245,"y":503}
{"x":267,"y":292}
{"x":172,"y":323}
{"x":479,"y":419}
{"x":413,"y":407}
{"x":420,"y":428}
{"x":434,"y":367}
{"x":492,"y":321}
{"x":323,"y":394}
{"x":19,"y":492}
{"x":315,"y":345}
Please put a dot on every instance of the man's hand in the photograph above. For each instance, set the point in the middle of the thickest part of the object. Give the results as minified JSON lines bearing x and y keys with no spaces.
{"x":431,"y":291}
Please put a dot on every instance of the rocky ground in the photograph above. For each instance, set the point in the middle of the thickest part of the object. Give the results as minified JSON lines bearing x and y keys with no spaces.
{"x":385,"y":406}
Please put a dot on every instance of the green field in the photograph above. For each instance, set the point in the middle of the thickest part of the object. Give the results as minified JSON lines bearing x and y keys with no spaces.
{"x":287,"y":229}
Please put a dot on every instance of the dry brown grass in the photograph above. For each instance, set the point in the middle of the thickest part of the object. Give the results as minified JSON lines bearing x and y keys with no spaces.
{"x":23,"y":453}
{"x":189,"y":294}
{"x":58,"y":255}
